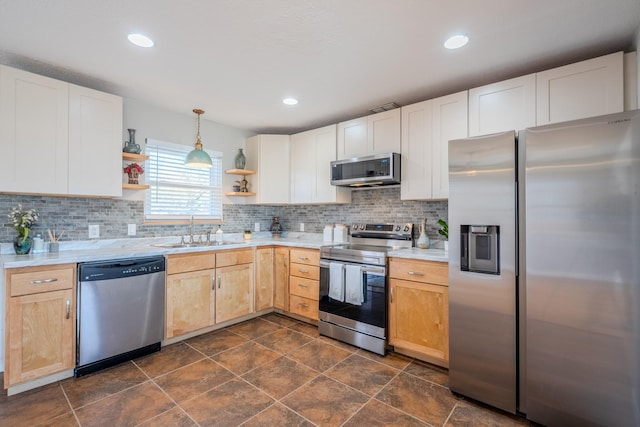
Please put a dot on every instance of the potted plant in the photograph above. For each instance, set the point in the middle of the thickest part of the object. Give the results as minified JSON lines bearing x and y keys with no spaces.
{"x":247,"y":234}
{"x":22,"y":222}
{"x":444,"y":232}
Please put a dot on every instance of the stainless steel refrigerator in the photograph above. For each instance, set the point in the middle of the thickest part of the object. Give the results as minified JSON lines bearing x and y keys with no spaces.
{"x":544,"y":271}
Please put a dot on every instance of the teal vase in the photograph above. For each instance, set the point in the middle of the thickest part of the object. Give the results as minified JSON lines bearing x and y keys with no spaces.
{"x":22,"y":246}
{"x":240,"y":159}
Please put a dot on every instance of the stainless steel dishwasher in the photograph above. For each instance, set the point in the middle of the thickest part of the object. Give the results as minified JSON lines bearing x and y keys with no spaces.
{"x":120,"y":312}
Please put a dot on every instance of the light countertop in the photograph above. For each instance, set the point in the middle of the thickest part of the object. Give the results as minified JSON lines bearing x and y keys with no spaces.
{"x":438,"y":255}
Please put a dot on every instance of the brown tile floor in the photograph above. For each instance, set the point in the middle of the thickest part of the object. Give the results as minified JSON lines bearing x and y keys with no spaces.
{"x":269,"y":371}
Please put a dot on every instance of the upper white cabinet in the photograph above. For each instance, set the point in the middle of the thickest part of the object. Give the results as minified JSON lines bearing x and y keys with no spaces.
{"x":374,"y":134}
{"x":311,"y":154}
{"x":427,"y":128}
{"x":58,"y":138}
{"x":503,"y":106}
{"x":95,"y":133}
{"x":34,"y":133}
{"x":269,"y":156}
{"x":584,"y":89}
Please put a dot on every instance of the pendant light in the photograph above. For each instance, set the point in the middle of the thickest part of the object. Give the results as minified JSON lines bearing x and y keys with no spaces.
{"x":198,"y":158}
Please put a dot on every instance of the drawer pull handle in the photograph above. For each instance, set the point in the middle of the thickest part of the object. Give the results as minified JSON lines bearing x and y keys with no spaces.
{"x":68,"y":309}
{"x":303,"y":258}
{"x":219,"y":281}
{"x":415,"y":273}
{"x":304,"y":271}
{"x":38,"y":282}
{"x":302,"y":304}
{"x":302,"y":286}
{"x":391,"y":295}
{"x":213,"y":282}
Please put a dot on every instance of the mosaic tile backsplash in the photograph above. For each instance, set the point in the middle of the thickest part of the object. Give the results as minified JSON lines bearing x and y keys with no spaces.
{"x":73,"y":215}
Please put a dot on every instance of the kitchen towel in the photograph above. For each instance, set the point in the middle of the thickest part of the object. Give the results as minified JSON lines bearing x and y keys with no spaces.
{"x":336,"y":281}
{"x":354,"y":286}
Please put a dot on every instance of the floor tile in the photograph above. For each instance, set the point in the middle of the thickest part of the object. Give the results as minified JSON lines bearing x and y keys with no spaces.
{"x":392,"y":359}
{"x":66,"y":420}
{"x":192,"y":380}
{"x":428,"y":372}
{"x":168,"y":359}
{"x":33,"y":407}
{"x":284,"y":341}
{"x":467,"y":414}
{"x":254,"y":328}
{"x":376,"y":413}
{"x":245,"y":357}
{"x":280,"y":377}
{"x":305,"y":328}
{"x":419,"y":398}
{"x":89,"y":388}
{"x":343,"y":345}
{"x":127,"y":408}
{"x":325,"y":402}
{"x":175,"y":417}
{"x":319,"y":355}
{"x":279,"y":319}
{"x":217,"y":341}
{"x":277,"y":415}
{"x":228,"y":405}
{"x":363,"y":374}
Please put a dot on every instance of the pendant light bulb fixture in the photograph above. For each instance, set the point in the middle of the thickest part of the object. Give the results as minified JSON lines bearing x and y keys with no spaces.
{"x":198,"y":158}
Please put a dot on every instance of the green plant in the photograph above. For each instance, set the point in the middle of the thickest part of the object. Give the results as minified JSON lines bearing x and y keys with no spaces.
{"x":23,"y":220}
{"x":444,"y":230}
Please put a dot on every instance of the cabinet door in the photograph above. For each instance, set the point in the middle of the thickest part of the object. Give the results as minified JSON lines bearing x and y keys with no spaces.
{"x":503,"y":106}
{"x":95,"y":143}
{"x":383,"y":132}
{"x":281,"y":279}
{"x":352,"y":138}
{"x":303,"y":167}
{"x":41,"y":335}
{"x":269,"y":156}
{"x":419,"y":319}
{"x":584,"y":89}
{"x":449,"y":122}
{"x":34,"y":133}
{"x":417,"y":141}
{"x":234,"y":292}
{"x":325,"y":142}
{"x":264,"y":278}
{"x":190,"y":302}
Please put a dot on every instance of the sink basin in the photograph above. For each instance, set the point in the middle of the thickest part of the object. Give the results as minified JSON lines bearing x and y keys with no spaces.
{"x":195,"y":245}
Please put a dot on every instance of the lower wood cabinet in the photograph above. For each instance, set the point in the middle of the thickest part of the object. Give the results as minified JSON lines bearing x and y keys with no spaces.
{"x":419,"y":309}
{"x":281,"y":279}
{"x":40,"y":337}
{"x":264,"y":292}
{"x":304,"y":277}
{"x":234,"y":291}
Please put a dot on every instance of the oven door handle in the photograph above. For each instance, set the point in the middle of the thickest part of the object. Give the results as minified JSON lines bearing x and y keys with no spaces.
{"x":370,"y":269}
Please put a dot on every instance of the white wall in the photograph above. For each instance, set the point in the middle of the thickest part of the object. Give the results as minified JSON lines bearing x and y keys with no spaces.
{"x":636,"y":47}
{"x":165,"y":125}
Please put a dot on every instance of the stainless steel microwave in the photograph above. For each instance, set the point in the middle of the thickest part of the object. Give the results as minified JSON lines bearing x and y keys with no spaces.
{"x":367,"y":171}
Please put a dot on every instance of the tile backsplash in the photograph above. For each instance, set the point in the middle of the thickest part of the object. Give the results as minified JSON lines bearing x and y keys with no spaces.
{"x":73,"y":215}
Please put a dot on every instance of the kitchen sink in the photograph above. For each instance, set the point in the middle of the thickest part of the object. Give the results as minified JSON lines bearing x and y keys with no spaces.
{"x":195,"y":245}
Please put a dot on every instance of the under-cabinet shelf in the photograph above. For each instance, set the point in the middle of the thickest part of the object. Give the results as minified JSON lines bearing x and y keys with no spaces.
{"x":134,"y":157}
{"x":135,"y":186}
{"x":239,"y":172}
{"x":240,"y":194}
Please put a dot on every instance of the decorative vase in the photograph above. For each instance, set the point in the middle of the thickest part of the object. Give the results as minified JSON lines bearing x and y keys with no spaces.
{"x":21,"y":245}
{"x":240,"y":159}
{"x":423,"y":240}
{"x":130,"y":146}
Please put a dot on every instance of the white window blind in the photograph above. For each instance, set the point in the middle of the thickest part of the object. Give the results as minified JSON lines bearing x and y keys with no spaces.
{"x":177,"y":192}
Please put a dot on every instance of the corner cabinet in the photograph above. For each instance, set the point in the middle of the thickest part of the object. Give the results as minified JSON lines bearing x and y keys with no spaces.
{"x":311,"y":154}
{"x":281,"y":278}
{"x":61,"y":129}
{"x":269,"y":156}
{"x":136,"y":158}
{"x":264,"y":278}
{"x":40,"y":329}
{"x":419,"y":309}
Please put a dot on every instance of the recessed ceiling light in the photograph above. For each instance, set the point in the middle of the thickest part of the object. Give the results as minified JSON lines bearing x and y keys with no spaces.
{"x":140,"y":40}
{"x":290,"y":101}
{"x":456,"y":41}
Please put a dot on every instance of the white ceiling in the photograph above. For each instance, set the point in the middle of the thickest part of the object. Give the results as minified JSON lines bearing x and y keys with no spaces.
{"x":237,"y":59}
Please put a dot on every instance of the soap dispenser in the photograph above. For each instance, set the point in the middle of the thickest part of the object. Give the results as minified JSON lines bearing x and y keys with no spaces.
{"x":219,"y":234}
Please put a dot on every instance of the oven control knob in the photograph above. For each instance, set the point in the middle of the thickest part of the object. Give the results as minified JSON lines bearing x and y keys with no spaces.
{"x":397,"y":228}
{"x":406,"y":228}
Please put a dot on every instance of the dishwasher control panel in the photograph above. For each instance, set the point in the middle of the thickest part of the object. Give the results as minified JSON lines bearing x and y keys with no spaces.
{"x":105,"y":270}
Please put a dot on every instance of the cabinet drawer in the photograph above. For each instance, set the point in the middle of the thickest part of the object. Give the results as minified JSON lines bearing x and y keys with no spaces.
{"x":224,"y":259}
{"x":420,"y":271}
{"x":190,"y":262}
{"x":304,"y":287}
{"x":303,"y":306}
{"x":305,"y":256}
{"x":33,"y":280}
{"x":303,"y":270}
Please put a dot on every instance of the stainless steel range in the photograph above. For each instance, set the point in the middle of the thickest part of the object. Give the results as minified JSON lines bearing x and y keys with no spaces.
{"x":353,"y":284}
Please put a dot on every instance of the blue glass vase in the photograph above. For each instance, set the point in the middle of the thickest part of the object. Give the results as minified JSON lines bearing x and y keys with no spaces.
{"x":240,"y":159}
{"x":22,"y":246}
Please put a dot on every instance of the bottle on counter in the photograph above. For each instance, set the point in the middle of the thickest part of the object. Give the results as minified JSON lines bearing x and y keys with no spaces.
{"x":219,"y":234}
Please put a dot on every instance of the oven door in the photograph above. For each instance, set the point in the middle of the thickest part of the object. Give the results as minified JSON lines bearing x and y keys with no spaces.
{"x":370,"y":317}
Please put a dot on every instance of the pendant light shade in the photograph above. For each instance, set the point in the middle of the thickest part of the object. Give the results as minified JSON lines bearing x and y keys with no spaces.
{"x":198,"y":158}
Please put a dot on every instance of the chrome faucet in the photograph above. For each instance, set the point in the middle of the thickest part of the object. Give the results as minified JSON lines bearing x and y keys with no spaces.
{"x":191,"y":230}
